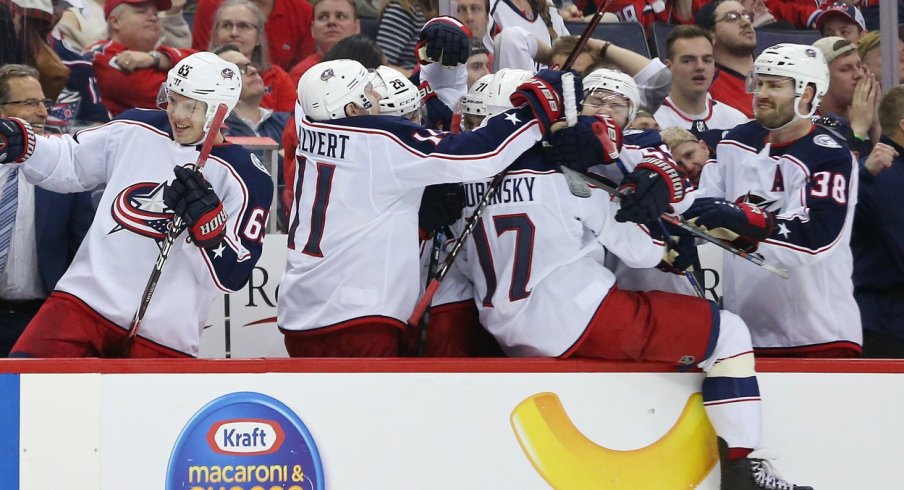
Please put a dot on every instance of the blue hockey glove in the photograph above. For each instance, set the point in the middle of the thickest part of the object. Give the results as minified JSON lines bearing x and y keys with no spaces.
{"x":744,"y":225}
{"x":441,"y":205}
{"x":437,"y":114}
{"x":444,"y":40}
{"x":680,"y":247}
{"x":193,"y":198}
{"x":649,"y":190}
{"x":17,"y":140}
{"x":581,"y":146}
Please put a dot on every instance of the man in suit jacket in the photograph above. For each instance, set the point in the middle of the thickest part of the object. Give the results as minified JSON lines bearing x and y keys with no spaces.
{"x":48,"y":227}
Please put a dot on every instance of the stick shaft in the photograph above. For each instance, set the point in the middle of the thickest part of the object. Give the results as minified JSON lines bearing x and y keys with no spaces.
{"x":172,"y":232}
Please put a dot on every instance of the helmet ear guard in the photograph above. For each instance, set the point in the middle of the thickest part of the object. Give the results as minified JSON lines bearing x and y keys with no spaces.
{"x":327,"y":87}
{"x":207,"y":78}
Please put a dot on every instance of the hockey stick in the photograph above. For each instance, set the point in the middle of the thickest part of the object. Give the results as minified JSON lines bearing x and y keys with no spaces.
{"x":421,"y":307}
{"x":175,"y":228}
{"x":439,"y":237}
{"x":574,"y":177}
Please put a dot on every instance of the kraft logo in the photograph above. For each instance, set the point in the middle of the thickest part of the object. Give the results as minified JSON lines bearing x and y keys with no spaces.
{"x":246,"y":436}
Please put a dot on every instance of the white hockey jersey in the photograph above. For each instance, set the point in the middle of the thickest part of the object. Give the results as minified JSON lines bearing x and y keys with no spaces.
{"x":536,"y":258}
{"x":811,"y":184}
{"x":637,"y":145}
{"x":134,"y":156}
{"x":716,"y":116}
{"x":353,"y":239}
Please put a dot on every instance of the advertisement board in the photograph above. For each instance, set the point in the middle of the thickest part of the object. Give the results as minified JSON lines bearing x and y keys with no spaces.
{"x":394,"y":430}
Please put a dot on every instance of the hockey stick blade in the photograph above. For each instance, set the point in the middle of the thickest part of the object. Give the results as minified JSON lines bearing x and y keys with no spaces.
{"x":576,"y":178}
{"x":174,"y":229}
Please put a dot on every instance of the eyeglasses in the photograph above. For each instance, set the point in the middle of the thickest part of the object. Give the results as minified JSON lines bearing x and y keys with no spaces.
{"x":735,"y":17}
{"x":241,"y":26}
{"x":243,"y":67}
{"x":31,"y":103}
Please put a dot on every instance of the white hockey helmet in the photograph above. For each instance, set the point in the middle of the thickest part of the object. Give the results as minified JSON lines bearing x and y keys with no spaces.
{"x":474,"y":102}
{"x":327,"y":87}
{"x":501,"y":88}
{"x":799,"y":62}
{"x":399,"y":95}
{"x":616,"y":82}
{"x":207,"y":78}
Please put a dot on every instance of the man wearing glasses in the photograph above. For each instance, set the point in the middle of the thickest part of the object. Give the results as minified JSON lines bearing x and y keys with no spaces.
{"x":39,"y":230}
{"x":734,"y":41}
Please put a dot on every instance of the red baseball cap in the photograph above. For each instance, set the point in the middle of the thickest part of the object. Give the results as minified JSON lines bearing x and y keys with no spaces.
{"x":162,"y":5}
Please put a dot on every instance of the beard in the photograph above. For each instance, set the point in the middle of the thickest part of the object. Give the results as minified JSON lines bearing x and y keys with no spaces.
{"x":774,"y":117}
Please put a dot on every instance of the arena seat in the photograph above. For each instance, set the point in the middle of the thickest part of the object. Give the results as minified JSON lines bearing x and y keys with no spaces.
{"x":628,"y":35}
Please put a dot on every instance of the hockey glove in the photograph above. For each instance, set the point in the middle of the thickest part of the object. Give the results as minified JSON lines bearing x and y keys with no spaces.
{"x":680,"y":247}
{"x":543,"y":93}
{"x":649,"y":191}
{"x":441,"y":205}
{"x":17,"y":140}
{"x":582,"y":146}
{"x":743,"y":225}
{"x":444,"y":40}
{"x":437,"y":114}
{"x":192,"y":197}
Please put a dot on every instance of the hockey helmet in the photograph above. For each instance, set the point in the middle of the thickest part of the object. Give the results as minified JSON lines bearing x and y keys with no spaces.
{"x":616,"y":82}
{"x":207,"y":78}
{"x":804,"y":64}
{"x":498,"y":93}
{"x":327,"y":87}
{"x":399,"y":96}
{"x":474,"y":102}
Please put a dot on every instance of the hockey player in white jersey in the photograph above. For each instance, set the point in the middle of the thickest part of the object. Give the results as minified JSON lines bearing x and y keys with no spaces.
{"x":136,"y":156}
{"x":536,"y":260}
{"x":614,"y":94}
{"x":790,"y":186}
{"x":352,"y":270}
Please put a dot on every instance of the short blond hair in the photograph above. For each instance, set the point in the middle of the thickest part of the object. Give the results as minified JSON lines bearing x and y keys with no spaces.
{"x":676,"y":136}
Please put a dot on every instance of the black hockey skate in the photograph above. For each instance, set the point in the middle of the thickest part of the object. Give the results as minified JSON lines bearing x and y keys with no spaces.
{"x":750,"y":474}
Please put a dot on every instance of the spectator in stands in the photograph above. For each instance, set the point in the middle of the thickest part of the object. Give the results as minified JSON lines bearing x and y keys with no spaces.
{"x":400,"y":25}
{"x":83,"y":30}
{"x":241,"y":23}
{"x":644,"y":120}
{"x":734,"y":41}
{"x":689,"y":151}
{"x":131,"y":65}
{"x":841,"y":19}
{"x":79,"y":104}
{"x":543,"y":23}
{"x":849,"y":106}
{"x":47,"y":227}
{"x":249,"y":118}
{"x":869,"y":51}
{"x":25,"y":26}
{"x":588,"y":59}
{"x":800,"y":14}
{"x":369,"y":8}
{"x":474,"y":14}
{"x":479,"y":61}
{"x":878,"y":239}
{"x":288,"y":29}
{"x":689,"y":56}
{"x":334,"y":20}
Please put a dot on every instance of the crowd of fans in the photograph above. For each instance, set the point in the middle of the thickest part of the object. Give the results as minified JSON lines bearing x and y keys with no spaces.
{"x":95,"y":59}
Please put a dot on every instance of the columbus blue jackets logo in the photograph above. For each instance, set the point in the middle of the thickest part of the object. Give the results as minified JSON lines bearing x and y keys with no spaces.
{"x":140,"y":209}
{"x":327,"y":74}
{"x":227,"y":73}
